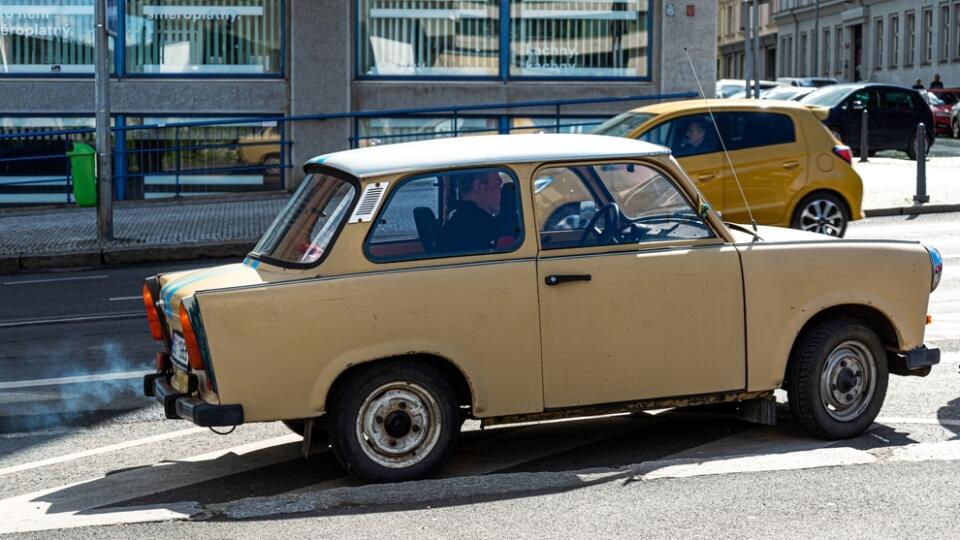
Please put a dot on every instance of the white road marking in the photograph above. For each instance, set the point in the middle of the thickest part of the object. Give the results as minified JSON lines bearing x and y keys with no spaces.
{"x":84,"y":503}
{"x":97,"y":451}
{"x":917,"y":421}
{"x":114,"y":376}
{"x":122,"y":298}
{"x":79,"y":318}
{"x":53,"y":280}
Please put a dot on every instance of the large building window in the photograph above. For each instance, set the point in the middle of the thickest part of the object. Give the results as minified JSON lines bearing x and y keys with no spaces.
{"x":894,"y":40}
{"x":837,"y":50}
{"x":878,"y":44}
{"x":802,"y":56}
{"x":944,"y":32}
{"x":46,"y":36}
{"x":909,"y":38}
{"x":228,"y":37}
{"x":33,"y":165}
{"x":467,"y":38}
{"x":926,"y":36}
{"x":825,"y":54}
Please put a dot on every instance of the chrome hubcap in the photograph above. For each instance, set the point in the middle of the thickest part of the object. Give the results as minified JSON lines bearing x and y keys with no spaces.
{"x":822,"y":216}
{"x":398,"y":424}
{"x":848,"y":380}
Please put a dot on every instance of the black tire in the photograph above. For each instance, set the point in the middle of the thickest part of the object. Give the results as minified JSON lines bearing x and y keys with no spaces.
{"x":412,"y":399}
{"x":911,"y":148}
{"x":837,"y":347}
{"x":833,"y":209}
{"x":955,"y":128}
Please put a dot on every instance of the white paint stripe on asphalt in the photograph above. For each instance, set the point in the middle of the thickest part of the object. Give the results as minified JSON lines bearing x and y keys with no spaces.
{"x":113,"y":376}
{"x":54,"y":280}
{"x":79,"y":318}
{"x":122,"y":298}
{"x":917,"y":421}
{"x":97,"y":451}
{"x":68,"y":506}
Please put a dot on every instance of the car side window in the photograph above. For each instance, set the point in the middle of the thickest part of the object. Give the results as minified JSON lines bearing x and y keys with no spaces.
{"x":454,"y":213}
{"x":861,"y":99}
{"x":897,"y":100}
{"x":743,"y":129}
{"x":689,"y":135}
{"x":613,"y":203}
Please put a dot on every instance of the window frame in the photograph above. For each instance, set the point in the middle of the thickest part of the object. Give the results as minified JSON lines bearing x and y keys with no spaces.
{"x":716,"y":238}
{"x":119,"y":57}
{"x":878,"y":44}
{"x":943,"y":55}
{"x":893,"y":56}
{"x":504,"y":56}
{"x":909,"y":38}
{"x":928,"y":45}
{"x":417,"y":175}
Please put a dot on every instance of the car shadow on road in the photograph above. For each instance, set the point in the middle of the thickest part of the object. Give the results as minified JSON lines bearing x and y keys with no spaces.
{"x":494,"y":464}
{"x":949,"y":417}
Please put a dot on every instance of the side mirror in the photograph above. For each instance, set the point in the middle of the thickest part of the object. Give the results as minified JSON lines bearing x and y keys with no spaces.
{"x":857,"y":105}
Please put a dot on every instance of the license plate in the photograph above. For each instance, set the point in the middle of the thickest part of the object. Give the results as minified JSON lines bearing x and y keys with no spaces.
{"x":180,"y":381}
{"x":178,"y":351}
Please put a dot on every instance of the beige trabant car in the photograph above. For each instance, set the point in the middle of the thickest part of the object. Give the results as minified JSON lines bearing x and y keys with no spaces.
{"x":405,"y":288}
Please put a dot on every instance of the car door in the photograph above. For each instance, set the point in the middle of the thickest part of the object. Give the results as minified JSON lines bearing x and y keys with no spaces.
{"x":897,"y":118}
{"x":638,"y":296}
{"x":850,"y":116}
{"x":770,"y":161}
{"x":704,"y":163}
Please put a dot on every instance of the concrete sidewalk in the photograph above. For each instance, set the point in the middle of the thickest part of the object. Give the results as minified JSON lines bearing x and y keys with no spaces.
{"x":191,"y":228}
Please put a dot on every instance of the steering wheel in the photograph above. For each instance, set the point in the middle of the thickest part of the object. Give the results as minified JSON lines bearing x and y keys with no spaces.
{"x":612,"y":225}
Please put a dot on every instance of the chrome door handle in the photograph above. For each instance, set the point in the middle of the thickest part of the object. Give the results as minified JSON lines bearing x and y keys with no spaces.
{"x":791,"y":165}
{"x":706,"y":177}
{"x":563,"y":278}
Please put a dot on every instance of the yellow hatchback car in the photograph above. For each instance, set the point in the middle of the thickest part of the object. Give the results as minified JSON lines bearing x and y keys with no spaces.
{"x":793,"y":172}
{"x":405,"y":288}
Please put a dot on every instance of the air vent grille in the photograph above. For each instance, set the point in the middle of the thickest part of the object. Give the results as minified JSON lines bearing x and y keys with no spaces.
{"x":369,"y":202}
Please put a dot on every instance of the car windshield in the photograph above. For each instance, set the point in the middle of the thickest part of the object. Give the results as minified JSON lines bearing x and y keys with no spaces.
{"x":304,"y":229}
{"x":785,"y":93}
{"x":828,"y":96}
{"x":622,"y":124}
{"x":727,"y":90}
{"x":934,"y":100}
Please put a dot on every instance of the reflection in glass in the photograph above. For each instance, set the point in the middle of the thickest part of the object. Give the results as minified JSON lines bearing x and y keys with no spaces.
{"x":46,"y":36}
{"x":439,"y":37}
{"x":191,"y":36}
{"x":559,"y":38}
{"x":374,"y":131}
{"x":39,"y":172}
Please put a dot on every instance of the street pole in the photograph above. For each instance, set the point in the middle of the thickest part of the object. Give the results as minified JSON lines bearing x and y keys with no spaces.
{"x":103,"y":143}
{"x":816,"y":40}
{"x":747,"y":50}
{"x":756,"y":48}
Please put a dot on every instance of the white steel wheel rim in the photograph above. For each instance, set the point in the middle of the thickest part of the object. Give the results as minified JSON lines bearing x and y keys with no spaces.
{"x":822,"y":216}
{"x":399,"y":424}
{"x":848,"y":381}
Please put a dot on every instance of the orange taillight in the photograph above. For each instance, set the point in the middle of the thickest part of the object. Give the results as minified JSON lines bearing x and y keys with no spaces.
{"x":193,"y":348}
{"x":152,"y":318}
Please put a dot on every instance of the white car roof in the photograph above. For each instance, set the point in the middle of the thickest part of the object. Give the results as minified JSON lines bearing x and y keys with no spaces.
{"x":483,"y":150}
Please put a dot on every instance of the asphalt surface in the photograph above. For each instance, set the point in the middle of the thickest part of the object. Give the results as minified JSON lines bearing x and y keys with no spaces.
{"x":70,"y":450}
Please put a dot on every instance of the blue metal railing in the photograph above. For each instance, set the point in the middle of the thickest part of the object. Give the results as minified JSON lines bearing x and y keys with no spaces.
{"x":174,"y":159}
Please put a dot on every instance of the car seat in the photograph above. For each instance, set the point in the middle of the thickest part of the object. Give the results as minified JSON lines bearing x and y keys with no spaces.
{"x":508,"y":217}
{"x":428,"y":228}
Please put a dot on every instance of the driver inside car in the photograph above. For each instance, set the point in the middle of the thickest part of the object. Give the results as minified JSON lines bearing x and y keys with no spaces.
{"x":473,"y":224}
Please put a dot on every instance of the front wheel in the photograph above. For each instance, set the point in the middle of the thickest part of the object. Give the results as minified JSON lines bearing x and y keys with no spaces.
{"x":836,"y":378}
{"x":955,"y":129}
{"x":394,"y":421}
{"x":823,"y":213}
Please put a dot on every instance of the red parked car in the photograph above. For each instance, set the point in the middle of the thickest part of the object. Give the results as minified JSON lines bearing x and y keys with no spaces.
{"x":940,"y":110}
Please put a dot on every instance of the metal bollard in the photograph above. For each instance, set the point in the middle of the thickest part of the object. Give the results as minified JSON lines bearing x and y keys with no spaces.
{"x":921,"y":196}
{"x":864,"y":143}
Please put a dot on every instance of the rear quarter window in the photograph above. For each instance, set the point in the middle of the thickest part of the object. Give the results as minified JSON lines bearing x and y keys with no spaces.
{"x":742,"y":130}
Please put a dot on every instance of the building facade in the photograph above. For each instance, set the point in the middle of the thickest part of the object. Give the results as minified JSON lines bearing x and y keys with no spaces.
{"x":730,"y":35}
{"x":176,"y":60}
{"x":891,"y":41}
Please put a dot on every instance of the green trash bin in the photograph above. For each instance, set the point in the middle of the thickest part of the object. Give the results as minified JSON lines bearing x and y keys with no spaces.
{"x":83,"y":169}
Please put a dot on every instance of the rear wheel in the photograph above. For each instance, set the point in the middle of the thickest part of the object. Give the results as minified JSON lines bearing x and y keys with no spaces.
{"x":823,"y":213}
{"x":911,"y":148}
{"x":394,"y":421}
{"x":836,"y":378}
{"x":955,"y":128}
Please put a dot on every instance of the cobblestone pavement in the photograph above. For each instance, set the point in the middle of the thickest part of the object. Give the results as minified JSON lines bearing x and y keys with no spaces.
{"x":138,"y":225}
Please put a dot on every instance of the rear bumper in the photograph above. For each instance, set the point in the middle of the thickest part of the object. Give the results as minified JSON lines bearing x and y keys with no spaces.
{"x":916,"y":362}
{"x":177,"y":405}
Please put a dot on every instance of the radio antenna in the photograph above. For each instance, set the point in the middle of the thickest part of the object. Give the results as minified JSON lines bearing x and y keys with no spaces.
{"x":723,"y":145}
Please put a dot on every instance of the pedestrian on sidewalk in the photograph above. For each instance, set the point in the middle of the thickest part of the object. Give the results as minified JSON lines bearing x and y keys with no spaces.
{"x":918,"y":85}
{"x":937,"y":83}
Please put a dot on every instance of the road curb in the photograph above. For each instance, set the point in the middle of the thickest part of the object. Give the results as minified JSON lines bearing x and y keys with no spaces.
{"x":10,"y":264}
{"x":912,"y":210}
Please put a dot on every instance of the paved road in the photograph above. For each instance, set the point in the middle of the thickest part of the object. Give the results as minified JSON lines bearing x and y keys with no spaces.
{"x":114,"y":460}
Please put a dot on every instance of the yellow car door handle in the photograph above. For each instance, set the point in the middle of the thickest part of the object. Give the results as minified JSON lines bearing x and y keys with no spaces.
{"x":791,"y":165}
{"x":706,"y":177}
